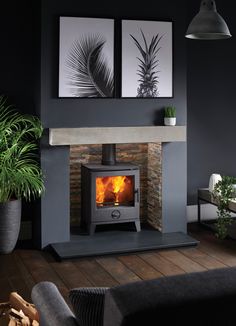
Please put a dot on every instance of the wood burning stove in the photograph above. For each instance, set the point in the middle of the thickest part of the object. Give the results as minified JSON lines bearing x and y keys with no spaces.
{"x":110,"y":191}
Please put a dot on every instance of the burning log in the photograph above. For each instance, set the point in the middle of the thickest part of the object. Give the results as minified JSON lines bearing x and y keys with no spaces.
{"x":114,"y":190}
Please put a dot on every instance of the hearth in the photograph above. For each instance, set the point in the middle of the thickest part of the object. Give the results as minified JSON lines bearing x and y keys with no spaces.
{"x":110,"y":191}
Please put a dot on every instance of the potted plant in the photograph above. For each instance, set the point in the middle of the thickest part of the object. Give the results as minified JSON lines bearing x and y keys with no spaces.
{"x":20,"y":173}
{"x":170,"y":116}
{"x":224,"y":190}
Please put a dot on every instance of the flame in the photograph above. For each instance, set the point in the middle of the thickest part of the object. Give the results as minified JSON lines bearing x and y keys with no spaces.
{"x":114,"y":190}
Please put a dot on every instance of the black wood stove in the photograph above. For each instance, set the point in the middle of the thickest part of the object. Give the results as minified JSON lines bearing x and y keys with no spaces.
{"x":110,"y":191}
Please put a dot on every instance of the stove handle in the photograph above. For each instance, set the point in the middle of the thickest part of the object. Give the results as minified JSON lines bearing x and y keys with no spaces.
{"x":137,"y":195}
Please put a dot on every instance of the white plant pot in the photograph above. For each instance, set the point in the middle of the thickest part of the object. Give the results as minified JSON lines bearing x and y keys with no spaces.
{"x":214,"y":178}
{"x":170,"y":121}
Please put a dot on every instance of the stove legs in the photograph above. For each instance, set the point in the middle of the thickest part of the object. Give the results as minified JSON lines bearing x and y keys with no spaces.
{"x":92,"y":228}
{"x":137,"y":225}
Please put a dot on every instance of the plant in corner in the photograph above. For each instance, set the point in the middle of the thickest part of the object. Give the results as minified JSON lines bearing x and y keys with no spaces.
{"x":223,"y":192}
{"x":170,"y":116}
{"x":20,"y":173}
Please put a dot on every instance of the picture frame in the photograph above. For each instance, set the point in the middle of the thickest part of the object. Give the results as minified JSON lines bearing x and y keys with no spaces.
{"x":147,"y":59}
{"x":86,"y":57}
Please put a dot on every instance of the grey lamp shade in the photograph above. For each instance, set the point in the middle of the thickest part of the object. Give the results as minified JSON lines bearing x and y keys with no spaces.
{"x":208,"y":24}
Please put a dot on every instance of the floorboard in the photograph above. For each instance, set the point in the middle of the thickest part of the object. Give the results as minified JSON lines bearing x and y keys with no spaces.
{"x":119,"y":271}
{"x":71,"y":275}
{"x":20,"y":270}
{"x":219,"y":249}
{"x":41,"y":270}
{"x":96,"y":274}
{"x":23,"y":271}
{"x":180,"y":260}
{"x":5,"y":289}
{"x":202,"y":258}
{"x":164,"y":266}
{"x":141,"y":268}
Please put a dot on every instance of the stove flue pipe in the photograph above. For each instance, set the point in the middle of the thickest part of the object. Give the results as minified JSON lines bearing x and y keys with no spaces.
{"x":108,"y":154}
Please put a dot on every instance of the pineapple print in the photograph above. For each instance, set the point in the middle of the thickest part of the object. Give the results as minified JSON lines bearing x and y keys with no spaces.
{"x":147,"y":64}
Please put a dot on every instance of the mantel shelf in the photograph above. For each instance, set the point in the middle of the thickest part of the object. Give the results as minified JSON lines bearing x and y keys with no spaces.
{"x":116,"y":135}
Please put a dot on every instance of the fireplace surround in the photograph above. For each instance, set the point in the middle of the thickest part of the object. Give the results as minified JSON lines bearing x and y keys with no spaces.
{"x":54,"y":227}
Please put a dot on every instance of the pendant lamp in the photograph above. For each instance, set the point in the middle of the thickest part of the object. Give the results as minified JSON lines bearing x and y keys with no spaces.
{"x":208,"y":24}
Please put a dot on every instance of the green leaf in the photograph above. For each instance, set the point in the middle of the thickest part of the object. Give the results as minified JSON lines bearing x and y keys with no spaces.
{"x":222,"y":193}
{"x":20,"y":173}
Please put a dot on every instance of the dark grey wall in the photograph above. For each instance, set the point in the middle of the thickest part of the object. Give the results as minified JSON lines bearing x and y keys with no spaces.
{"x":57,"y":112}
{"x":17,"y":53}
{"x":17,"y":61}
{"x":211,"y":103}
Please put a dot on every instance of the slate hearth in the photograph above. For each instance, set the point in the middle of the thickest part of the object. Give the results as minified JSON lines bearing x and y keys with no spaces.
{"x":119,"y":241}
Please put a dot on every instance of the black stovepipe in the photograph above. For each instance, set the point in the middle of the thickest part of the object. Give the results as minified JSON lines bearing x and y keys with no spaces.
{"x":108,"y":154}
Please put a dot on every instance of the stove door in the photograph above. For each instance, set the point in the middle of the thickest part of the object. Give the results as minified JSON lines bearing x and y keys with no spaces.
{"x":115,"y":196}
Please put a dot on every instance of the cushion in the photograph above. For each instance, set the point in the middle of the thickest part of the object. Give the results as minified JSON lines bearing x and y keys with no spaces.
{"x":195,"y":299}
{"x":88,"y":305}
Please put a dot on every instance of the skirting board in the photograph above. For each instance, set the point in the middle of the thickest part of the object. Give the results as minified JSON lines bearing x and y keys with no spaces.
{"x":119,"y":242}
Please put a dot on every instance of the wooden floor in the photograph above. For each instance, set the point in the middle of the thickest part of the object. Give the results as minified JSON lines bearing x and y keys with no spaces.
{"x":20,"y":270}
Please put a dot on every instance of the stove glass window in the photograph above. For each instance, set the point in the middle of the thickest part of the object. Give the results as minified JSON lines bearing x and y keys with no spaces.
{"x":115,"y":191}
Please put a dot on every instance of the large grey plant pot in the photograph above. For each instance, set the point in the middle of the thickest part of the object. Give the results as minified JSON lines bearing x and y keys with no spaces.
{"x":10,"y":217}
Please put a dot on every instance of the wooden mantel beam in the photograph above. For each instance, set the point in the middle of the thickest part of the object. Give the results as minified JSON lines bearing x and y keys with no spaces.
{"x":116,"y":135}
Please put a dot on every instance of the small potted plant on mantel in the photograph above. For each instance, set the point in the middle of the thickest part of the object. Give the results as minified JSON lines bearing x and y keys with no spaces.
{"x":170,"y":116}
{"x":20,"y":173}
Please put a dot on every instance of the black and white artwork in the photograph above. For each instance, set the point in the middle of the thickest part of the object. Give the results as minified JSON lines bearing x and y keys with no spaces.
{"x":86,"y":57}
{"x":147,"y":67}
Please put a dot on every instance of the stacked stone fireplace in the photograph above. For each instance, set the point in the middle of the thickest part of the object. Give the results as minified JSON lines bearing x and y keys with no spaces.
{"x":143,"y":159}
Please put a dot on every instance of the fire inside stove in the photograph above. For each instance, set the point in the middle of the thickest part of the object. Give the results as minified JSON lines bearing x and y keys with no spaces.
{"x":115,"y":191}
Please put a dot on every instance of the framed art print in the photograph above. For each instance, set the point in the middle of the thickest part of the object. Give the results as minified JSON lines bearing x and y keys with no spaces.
{"x":86,"y":57}
{"x":147,"y":64}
